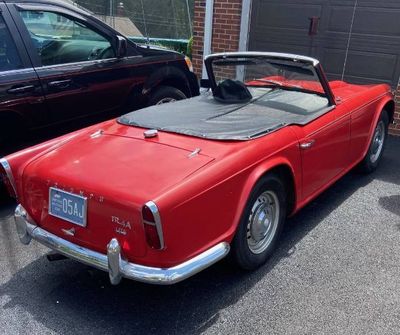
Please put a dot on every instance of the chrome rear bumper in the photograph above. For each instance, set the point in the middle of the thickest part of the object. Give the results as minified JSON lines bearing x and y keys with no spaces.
{"x":113,"y":261}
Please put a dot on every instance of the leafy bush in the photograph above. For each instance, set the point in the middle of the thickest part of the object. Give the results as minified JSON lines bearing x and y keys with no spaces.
{"x":179,"y":45}
{"x":189,"y":48}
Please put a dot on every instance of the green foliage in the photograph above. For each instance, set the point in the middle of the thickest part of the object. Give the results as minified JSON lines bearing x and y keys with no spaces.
{"x":178,"y":45}
{"x":189,"y":48}
{"x":154,"y":18}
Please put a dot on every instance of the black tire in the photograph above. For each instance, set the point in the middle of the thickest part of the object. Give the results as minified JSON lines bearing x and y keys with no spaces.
{"x":3,"y":192}
{"x":247,"y":253}
{"x":2,"y":139}
{"x":9,"y":135}
{"x":7,"y":139}
{"x":4,"y":132}
{"x":164,"y":94}
{"x":377,"y":145}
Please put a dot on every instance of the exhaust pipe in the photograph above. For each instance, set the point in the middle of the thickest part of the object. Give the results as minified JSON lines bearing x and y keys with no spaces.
{"x":54,"y":256}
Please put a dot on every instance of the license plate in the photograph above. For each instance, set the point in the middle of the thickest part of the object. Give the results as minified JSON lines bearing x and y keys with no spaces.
{"x":67,"y":206}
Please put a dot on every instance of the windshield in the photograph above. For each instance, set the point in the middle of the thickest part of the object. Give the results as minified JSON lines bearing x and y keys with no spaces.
{"x":264,"y":71}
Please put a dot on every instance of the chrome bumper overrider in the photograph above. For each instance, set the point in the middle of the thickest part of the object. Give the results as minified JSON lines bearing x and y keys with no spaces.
{"x":113,"y":262}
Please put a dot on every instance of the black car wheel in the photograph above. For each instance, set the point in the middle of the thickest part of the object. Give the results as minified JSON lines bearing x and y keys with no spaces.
{"x":166,"y":94}
{"x":12,"y":132}
{"x":7,"y":136}
{"x":2,"y":138}
{"x":377,"y":145}
{"x":261,"y":223}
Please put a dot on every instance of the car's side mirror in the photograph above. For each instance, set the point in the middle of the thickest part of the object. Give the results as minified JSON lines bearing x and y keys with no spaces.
{"x":122,"y":47}
{"x":205,"y":83}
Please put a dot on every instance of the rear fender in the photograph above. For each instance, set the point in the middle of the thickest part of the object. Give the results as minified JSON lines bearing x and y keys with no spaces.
{"x":19,"y":160}
{"x":385,"y":100}
{"x":261,"y":170}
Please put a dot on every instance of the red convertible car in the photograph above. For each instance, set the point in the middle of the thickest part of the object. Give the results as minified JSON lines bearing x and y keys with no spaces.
{"x":162,"y":193}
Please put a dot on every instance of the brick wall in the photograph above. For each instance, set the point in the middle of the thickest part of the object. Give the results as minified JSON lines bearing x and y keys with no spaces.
{"x":226,"y":29}
{"x":198,"y":35}
{"x":395,"y":129}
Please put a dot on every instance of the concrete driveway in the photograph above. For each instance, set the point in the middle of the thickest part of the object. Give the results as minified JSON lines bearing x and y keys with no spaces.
{"x":337,"y":271}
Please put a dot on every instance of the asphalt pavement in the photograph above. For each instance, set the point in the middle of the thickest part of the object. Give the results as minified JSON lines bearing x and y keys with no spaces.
{"x":337,"y":271}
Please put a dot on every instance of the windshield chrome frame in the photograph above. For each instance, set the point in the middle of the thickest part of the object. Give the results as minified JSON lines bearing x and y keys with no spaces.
{"x":272,"y":55}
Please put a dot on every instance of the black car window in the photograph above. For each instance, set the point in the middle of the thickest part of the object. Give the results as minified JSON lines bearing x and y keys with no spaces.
{"x":59,"y":39}
{"x":9,"y":57}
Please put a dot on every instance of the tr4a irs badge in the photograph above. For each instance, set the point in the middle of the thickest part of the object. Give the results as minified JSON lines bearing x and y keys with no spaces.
{"x":123,"y":226}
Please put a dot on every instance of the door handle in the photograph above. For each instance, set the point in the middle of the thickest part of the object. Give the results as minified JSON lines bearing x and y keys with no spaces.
{"x":21,"y":89}
{"x":307,"y":144}
{"x":313,"y":29}
{"x":61,"y":84}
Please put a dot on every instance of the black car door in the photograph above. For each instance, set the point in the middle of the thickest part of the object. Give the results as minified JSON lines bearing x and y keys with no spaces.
{"x":21,"y":96}
{"x":75,"y":61}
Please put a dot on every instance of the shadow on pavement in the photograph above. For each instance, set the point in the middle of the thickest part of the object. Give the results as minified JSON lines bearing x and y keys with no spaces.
{"x":70,"y":298}
{"x":84,"y":294}
{"x":391,"y":203}
{"x":390,"y":162}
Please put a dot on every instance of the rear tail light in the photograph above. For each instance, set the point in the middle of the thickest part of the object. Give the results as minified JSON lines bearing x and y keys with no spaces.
{"x":152,"y":226}
{"x":7,"y":178}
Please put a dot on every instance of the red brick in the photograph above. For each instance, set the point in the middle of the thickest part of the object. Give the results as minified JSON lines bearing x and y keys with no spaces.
{"x":226,"y":29}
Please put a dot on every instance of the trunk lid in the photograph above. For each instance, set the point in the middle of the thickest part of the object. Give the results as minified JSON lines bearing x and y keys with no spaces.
{"x":117,"y":175}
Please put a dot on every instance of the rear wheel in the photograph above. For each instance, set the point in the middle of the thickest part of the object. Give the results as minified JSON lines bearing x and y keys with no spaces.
{"x":377,"y":145}
{"x":166,"y":94}
{"x":9,"y":135}
{"x":261,"y":223}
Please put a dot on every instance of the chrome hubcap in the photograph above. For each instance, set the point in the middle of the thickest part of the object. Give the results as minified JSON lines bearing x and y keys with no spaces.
{"x":263,"y":222}
{"x":165,"y":101}
{"x":377,"y":141}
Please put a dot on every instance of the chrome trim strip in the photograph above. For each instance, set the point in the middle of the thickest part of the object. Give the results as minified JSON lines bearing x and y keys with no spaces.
{"x":6,"y":166}
{"x":154,"y":209}
{"x":113,"y":262}
{"x":288,"y":56}
{"x":16,"y":71}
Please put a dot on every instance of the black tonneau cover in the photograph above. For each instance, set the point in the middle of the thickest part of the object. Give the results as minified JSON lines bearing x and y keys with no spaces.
{"x":203,"y":116}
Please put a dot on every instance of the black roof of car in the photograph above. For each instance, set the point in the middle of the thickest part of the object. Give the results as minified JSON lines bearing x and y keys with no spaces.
{"x":59,"y":3}
{"x":67,"y":5}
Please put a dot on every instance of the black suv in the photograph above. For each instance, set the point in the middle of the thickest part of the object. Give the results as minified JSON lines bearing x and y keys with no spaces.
{"x":59,"y":63}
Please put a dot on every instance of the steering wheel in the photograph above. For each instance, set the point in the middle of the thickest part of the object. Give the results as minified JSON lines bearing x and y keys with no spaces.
{"x":106,"y":53}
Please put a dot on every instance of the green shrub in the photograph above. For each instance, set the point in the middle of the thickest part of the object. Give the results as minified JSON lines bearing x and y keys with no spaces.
{"x":179,"y":45}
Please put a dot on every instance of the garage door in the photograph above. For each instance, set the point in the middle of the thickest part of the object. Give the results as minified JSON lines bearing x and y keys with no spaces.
{"x":357,"y":40}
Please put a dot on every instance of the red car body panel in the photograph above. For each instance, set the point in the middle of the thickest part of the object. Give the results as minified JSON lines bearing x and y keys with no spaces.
{"x":200,"y":198}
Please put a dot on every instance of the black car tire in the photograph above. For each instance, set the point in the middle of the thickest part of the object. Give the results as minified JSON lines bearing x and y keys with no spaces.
{"x":377,"y":145}
{"x":8,"y":133}
{"x":267,"y":200}
{"x":2,"y":138}
{"x":165,"y":94}
{"x":11,"y":133}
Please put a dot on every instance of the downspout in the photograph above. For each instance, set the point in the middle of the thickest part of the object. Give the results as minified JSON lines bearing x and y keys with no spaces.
{"x":349,"y":39}
{"x":208,"y":29}
{"x":245,"y":25}
{"x":244,"y":33}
